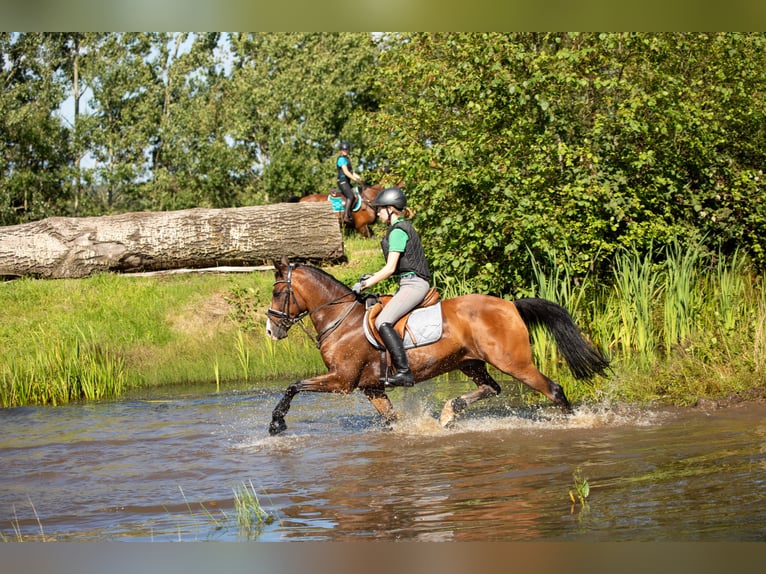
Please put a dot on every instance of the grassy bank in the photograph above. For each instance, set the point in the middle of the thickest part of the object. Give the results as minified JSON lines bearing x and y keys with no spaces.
{"x":691,"y":329}
{"x":94,"y":338}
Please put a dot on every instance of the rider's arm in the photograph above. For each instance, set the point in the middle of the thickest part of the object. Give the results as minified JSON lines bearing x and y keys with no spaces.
{"x":350,"y":174}
{"x":384,"y":273}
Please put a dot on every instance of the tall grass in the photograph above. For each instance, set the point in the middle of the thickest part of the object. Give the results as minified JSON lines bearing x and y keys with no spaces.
{"x":758,"y":326}
{"x":68,"y":370}
{"x":677,"y":324}
{"x":251,"y":516}
{"x":94,"y":338}
{"x":557,"y":285}
{"x":732,"y":291}
{"x":683,"y":298}
{"x":637,"y":284}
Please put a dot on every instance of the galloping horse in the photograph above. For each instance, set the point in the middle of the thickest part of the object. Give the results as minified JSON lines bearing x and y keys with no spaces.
{"x":363,"y":217}
{"x":476,"y":330}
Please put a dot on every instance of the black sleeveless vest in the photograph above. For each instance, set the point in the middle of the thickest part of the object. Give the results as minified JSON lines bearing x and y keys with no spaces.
{"x":341,"y":175}
{"x":413,"y":260}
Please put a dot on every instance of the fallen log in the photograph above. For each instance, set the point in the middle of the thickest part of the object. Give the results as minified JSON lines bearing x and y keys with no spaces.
{"x":74,"y":247}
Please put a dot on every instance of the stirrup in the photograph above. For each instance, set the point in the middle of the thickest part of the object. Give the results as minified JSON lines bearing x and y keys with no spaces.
{"x":409,"y":379}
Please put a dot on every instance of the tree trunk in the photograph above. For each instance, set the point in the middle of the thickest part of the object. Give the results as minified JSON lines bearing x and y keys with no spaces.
{"x":72,"y":247}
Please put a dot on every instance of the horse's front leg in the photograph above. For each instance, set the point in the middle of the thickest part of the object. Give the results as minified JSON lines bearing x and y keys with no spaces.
{"x":379,"y":399}
{"x":278,"y":416}
{"x":329,"y":383}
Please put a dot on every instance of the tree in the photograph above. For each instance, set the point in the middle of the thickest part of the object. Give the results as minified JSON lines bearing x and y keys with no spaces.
{"x":124,"y":120}
{"x":296,"y":93}
{"x":569,"y":147}
{"x":78,"y":54}
{"x":195,"y":157}
{"x":73,"y":247}
{"x":33,"y":143}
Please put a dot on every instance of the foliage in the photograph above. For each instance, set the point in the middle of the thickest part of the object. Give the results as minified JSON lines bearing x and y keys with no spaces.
{"x":580,"y":487}
{"x":579,"y":144}
{"x":33,"y":145}
{"x":517,"y":149}
{"x":295,"y":93}
{"x":123,"y":332}
{"x":75,"y":369}
{"x":96,"y":123}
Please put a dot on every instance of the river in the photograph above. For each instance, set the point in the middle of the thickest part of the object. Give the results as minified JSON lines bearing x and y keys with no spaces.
{"x":165,"y":466}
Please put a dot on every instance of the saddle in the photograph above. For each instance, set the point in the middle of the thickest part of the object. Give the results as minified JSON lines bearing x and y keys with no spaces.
{"x":338,"y":200}
{"x":403,"y":329}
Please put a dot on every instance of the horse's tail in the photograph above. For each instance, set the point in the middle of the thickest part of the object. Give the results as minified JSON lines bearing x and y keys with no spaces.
{"x":583,"y":358}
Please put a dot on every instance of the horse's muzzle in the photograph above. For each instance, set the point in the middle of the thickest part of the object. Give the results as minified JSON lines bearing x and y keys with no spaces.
{"x":275,"y":330}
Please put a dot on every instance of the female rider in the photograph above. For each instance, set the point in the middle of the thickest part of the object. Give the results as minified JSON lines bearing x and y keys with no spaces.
{"x":405,"y":258}
{"x":345,"y":176}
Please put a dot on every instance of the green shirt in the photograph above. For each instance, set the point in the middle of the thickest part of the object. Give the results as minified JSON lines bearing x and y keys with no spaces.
{"x":397,"y":241}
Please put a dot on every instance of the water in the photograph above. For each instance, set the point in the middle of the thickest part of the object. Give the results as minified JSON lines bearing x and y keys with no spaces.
{"x":166,"y":467}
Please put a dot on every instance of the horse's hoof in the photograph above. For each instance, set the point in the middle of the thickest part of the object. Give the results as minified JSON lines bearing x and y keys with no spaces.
{"x":277,"y":426}
{"x":451,"y":411}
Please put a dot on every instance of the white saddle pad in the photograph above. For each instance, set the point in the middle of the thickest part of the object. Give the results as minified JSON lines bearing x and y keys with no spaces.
{"x":425,"y":324}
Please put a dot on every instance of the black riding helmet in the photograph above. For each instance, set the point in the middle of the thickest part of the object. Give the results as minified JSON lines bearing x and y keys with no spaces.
{"x":392,"y":196}
{"x":345,"y":146}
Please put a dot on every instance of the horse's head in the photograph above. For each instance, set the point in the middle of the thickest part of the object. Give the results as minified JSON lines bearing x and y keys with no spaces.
{"x":286,"y":307}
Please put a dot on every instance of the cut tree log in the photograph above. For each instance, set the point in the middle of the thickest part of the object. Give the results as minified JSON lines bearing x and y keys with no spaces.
{"x":74,"y":247}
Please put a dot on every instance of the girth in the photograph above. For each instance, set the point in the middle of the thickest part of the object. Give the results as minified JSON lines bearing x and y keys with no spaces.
{"x":431,"y":298}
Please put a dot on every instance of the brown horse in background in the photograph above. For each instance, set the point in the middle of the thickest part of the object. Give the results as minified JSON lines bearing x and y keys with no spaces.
{"x":477,"y":329}
{"x":363,"y":217}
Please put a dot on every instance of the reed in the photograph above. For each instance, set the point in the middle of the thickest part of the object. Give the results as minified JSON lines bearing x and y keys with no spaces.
{"x":682,"y":296}
{"x":637,"y":285}
{"x":76,"y":368}
{"x":758,"y":326}
{"x":557,"y":284}
{"x":243,"y":353}
{"x":251,"y":516}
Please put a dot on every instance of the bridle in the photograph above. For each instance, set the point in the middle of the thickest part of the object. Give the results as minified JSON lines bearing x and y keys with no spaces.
{"x":284,"y":320}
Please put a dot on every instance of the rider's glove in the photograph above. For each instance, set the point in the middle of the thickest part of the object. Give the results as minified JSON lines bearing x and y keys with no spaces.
{"x":361,"y":284}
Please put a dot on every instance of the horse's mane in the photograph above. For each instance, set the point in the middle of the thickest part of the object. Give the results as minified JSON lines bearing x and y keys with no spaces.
{"x":322,"y":273}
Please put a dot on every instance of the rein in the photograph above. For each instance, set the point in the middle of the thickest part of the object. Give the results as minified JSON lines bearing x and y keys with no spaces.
{"x":335,"y":324}
{"x":286,"y":321}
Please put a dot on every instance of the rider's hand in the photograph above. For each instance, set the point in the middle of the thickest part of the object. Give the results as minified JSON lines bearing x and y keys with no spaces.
{"x":361,"y":284}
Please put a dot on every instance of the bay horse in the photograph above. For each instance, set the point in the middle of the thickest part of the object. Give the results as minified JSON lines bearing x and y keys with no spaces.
{"x":477,"y":329}
{"x":363,"y":217}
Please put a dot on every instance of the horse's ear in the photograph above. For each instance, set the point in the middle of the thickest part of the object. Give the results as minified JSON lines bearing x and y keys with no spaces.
{"x":280,"y":265}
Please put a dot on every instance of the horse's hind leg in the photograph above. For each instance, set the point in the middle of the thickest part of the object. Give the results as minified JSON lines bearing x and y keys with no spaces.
{"x":382,"y":404}
{"x":487,"y":387}
{"x":538,"y":381}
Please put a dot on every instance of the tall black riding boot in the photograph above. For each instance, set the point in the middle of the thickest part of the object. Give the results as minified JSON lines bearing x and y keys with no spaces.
{"x":349,"y":215}
{"x":403,"y":375}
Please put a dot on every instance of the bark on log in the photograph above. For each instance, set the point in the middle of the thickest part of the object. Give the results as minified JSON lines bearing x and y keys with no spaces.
{"x":73,"y":247}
